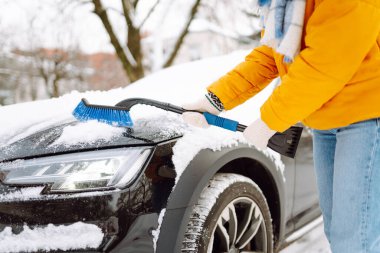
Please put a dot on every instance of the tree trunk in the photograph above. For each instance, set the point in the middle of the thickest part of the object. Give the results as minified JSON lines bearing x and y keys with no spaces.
{"x":134,"y":45}
{"x":33,"y":89}
{"x":132,"y":56}
{"x":133,"y":72}
{"x":55,"y":92}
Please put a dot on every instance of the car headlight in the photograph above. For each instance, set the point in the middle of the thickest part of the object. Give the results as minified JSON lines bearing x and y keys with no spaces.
{"x":80,"y":171}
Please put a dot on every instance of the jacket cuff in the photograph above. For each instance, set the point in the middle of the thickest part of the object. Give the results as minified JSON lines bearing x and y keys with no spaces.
{"x":215,"y":101}
{"x":227,"y":105}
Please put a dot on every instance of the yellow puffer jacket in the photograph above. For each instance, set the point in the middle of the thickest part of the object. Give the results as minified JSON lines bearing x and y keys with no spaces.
{"x":333,"y":82}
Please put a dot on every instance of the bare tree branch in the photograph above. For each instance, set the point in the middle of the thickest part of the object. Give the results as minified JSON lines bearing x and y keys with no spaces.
{"x":131,"y":54}
{"x":149,"y":13}
{"x":135,"y":3}
{"x":102,"y":14}
{"x":183,"y":34}
{"x":133,"y":49}
{"x":128,"y":13}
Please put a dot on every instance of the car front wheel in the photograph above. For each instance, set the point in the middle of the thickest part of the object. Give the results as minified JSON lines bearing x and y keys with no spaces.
{"x":231,"y":216}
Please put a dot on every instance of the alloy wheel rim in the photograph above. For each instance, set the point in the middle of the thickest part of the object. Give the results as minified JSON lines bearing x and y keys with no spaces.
{"x":240,"y":228}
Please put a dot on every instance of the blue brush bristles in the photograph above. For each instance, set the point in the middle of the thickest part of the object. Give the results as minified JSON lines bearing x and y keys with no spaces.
{"x":114,"y":117}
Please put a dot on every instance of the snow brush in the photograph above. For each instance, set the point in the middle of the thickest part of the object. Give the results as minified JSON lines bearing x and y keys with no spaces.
{"x":285,"y":143}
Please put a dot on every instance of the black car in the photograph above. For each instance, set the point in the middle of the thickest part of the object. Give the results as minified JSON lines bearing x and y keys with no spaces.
{"x":124,"y":195}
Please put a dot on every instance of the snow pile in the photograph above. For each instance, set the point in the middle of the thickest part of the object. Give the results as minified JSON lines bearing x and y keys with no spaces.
{"x":76,"y":236}
{"x":88,"y":132}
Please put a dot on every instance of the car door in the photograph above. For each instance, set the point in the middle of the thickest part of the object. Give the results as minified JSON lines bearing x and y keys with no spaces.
{"x":305,"y":206}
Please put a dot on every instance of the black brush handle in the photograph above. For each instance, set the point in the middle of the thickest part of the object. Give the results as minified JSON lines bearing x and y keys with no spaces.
{"x":129,"y":103}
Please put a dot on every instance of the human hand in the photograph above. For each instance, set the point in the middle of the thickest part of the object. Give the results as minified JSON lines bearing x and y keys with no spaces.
{"x":258,"y":134}
{"x":203,"y":104}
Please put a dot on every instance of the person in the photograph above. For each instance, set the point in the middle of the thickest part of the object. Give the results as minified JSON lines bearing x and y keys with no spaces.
{"x":330,"y":81}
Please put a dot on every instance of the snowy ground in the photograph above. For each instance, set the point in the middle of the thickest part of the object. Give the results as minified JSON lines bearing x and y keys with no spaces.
{"x":312,"y":242}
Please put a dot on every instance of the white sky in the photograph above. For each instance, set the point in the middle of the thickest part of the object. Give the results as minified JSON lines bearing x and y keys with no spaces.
{"x":80,"y":26}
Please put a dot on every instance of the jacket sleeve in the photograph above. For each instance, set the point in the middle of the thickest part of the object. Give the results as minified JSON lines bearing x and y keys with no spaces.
{"x":246,"y":79}
{"x":339,"y":35}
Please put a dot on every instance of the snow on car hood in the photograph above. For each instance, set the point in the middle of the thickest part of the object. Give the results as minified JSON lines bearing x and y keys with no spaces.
{"x":86,"y":136}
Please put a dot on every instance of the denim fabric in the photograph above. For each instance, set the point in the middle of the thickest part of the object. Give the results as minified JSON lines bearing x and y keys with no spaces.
{"x":347,"y":164}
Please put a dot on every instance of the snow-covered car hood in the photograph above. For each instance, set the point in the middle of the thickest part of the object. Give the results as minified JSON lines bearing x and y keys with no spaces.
{"x":83,"y":136}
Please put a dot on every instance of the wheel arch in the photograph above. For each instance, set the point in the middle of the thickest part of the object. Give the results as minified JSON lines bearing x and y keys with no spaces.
{"x":196,"y":176}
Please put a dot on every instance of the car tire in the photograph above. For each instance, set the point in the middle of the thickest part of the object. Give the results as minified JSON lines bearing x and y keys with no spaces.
{"x":232,"y":215}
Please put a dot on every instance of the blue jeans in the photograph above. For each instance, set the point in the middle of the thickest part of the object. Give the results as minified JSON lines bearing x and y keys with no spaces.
{"x":347,"y":164}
